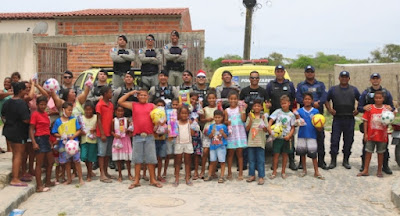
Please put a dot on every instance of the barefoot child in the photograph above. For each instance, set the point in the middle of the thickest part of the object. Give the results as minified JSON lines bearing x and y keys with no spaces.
{"x":237,"y":139}
{"x":68,"y":128}
{"x":208,"y":118}
{"x":307,"y":136}
{"x":256,"y":125}
{"x":88,"y":138}
{"x":282,"y":145}
{"x":183,"y":145}
{"x":122,"y":144}
{"x":170,"y":140}
{"x":375,"y":134}
{"x":160,"y":140}
{"x":39,"y":132}
{"x":196,"y":138}
{"x":218,"y":133}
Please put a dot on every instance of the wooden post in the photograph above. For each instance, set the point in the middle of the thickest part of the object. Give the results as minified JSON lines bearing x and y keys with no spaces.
{"x":247,"y":33}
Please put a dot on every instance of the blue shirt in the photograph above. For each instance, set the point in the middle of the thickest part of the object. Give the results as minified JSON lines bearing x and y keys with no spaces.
{"x":67,"y":128}
{"x":218,"y":140}
{"x":308,"y":130}
{"x":317,"y":89}
{"x":363,"y":99}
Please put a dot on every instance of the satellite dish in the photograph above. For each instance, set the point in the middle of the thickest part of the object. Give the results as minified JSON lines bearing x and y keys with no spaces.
{"x":40,"y":28}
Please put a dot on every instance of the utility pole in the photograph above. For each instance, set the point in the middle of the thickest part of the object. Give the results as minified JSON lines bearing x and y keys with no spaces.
{"x":249,"y":4}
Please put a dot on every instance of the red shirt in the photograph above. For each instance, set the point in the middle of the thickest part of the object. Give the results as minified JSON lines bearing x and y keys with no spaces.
{"x":106,"y":114}
{"x":376,"y":130}
{"x":141,"y":118}
{"x":41,"y":122}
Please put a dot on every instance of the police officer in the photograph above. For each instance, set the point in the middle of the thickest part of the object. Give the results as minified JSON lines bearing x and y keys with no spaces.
{"x":151,"y":59}
{"x":67,"y":83}
{"x":201,"y":87}
{"x":275,"y":90}
{"x":94,"y":94}
{"x":187,"y":78}
{"x":163,"y":90}
{"x":343,"y":97}
{"x":128,"y":86}
{"x":122,"y":59}
{"x":364,"y":104}
{"x":317,"y":89}
{"x":176,"y":56}
{"x":253,"y":91}
{"x":227,"y":85}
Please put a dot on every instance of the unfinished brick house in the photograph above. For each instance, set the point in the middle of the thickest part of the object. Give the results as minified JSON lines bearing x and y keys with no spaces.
{"x":55,"y":42}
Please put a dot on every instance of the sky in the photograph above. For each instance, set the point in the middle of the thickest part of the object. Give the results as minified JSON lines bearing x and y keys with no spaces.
{"x":352,"y":28}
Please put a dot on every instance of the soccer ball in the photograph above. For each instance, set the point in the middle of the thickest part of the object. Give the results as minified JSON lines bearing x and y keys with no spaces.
{"x":387,"y":117}
{"x":72,"y":147}
{"x":51,"y":85}
{"x":318,"y":120}
{"x":277,"y":130}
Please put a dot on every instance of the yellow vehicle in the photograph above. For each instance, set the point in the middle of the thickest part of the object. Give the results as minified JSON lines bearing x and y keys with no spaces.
{"x":241,"y":73}
{"x":82,"y":78}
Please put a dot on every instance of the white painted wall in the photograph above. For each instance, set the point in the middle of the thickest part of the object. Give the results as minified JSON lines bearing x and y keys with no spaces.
{"x":25,"y":26}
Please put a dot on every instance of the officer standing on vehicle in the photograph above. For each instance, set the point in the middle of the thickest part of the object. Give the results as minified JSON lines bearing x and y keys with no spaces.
{"x":176,"y":56}
{"x":163,"y":90}
{"x":122,"y":59}
{"x":317,"y":88}
{"x":201,"y":87}
{"x":275,"y":90}
{"x":343,"y":97}
{"x":94,"y":94}
{"x":151,"y":60}
{"x":364,"y":104}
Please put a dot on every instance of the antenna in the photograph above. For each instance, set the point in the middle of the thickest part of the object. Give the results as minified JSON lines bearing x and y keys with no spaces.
{"x":40,"y":28}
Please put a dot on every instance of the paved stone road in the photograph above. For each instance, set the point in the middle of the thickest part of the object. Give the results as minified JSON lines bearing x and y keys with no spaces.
{"x":342,"y":193}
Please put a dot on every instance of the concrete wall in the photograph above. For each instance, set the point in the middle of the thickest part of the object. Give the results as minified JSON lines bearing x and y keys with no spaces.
{"x":25,"y":26}
{"x":17,"y":54}
{"x":360,"y":76}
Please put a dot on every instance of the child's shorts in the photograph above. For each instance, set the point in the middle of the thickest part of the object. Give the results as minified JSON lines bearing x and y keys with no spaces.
{"x":44,"y":144}
{"x":161,"y":148}
{"x":307,"y":146}
{"x":219,"y":153}
{"x":104,"y":148}
{"x":282,"y":146}
{"x":380,"y":147}
{"x":171,"y":146}
{"x":63,"y":157}
{"x":89,"y":152}
{"x":184,"y":148}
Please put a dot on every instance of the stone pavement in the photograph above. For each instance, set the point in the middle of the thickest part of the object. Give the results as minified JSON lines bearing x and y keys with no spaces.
{"x":342,"y":193}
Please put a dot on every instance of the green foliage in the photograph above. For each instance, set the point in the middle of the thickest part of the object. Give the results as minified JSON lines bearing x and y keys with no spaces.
{"x":389,"y":53}
{"x":211,"y":65}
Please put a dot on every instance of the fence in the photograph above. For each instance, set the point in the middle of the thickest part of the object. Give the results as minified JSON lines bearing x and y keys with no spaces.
{"x":52,"y":60}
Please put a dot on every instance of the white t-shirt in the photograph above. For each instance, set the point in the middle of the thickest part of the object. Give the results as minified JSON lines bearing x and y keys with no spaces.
{"x":285,"y":118}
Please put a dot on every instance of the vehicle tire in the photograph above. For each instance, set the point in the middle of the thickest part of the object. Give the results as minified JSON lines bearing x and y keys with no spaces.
{"x":397,"y":154}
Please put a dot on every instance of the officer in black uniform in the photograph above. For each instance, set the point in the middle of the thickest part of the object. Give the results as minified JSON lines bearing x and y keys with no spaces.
{"x":163,"y":90}
{"x":151,"y":59}
{"x":367,"y":98}
{"x":94,"y":94}
{"x":176,"y":56}
{"x":129,"y":85}
{"x":122,"y":59}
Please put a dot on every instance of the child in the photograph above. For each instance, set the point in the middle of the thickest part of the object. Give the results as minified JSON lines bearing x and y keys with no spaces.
{"x":104,"y":111}
{"x":256,"y":126}
{"x":60,"y":176}
{"x":122,"y":145}
{"x":68,"y":128}
{"x":218,"y":133}
{"x":39,"y":132}
{"x":375,"y":134}
{"x":282,"y":145}
{"x":160,"y":140}
{"x":88,"y":139}
{"x":170,"y":140}
{"x":183,"y":145}
{"x":237,"y":139}
{"x":208,"y":118}
{"x":196,"y":138}
{"x":143,"y":138}
{"x":307,"y":136}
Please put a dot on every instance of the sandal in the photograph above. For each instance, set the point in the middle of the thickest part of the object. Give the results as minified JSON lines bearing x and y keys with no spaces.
{"x":362,"y":174}
{"x":175,"y":184}
{"x":106,"y":180}
{"x":208,"y":178}
{"x":380,"y":175}
{"x":240,"y":178}
{"x":43,"y":189}
{"x":189,"y":183}
{"x":284,"y":176}
{"x":201,"y":176}
{"x":157,"y":185}
{"x":260,"y":181}
{"x":20,"y":184}
{"x":52,"y":184}
{"x":145,"y":178}
{"x":229,"y":178}
{"x":251,"y":179}
{"x":272,"y":176}
{"x":195,"y":177}
{"x":133,"y":186}
{"x":320,"y":177}
{"x":161,"y":179}
{"x":26,"y":178}
{"x":302,"y":174}
{"x":221,"y":180}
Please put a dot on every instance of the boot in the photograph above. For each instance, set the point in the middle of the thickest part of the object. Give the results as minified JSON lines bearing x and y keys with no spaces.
{"x":95,"y":165}
{"x":346,"y":162}
{"x":292,"y":165}
{"x":111,"y":165}
{"x":323,"y":165}
{"x":362,"y":164}
{"x":333,"y":162}
{"x":300,"y":166}
{"x":386,"y":169}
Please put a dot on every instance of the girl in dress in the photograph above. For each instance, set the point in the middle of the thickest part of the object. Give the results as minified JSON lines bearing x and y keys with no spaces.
{"x":121,"y":148}
{"x":235,"y":116}
{"x":196,"y":138}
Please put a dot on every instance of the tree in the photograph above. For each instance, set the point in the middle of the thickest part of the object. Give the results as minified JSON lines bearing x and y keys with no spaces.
{"x":275,"y":58}
{"x":302,"y":62}
{"x":389,"y":53}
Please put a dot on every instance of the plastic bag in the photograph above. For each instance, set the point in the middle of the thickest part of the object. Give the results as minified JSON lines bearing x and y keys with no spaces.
{"x":117,"y":144}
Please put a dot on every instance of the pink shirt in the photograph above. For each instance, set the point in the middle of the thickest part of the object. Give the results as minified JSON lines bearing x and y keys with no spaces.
{"x":141,"y":118}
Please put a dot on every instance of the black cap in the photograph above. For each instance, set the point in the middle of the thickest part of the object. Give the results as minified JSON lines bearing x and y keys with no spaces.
{"x":152,"y":36}
{"x":131,"y":73}
{"x":175,"y":32}
{"x":375,"y":75}
{"x":344,"y":73}
{"x":187,"y":71}
{"x":69,"y":73}
{"x":164,"y":72}
{"x":309,"y":67}
{"x":124,"y":38}
{"x":226,"y":72}
{"x":279,"y":67}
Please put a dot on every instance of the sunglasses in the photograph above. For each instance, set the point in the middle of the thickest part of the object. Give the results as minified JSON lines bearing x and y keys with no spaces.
{"x":309,"y":71}
{"x":67,"y":77}
{"x":150,"y":39}
{"x":201,"y":77}
{"x":255,"y":78}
